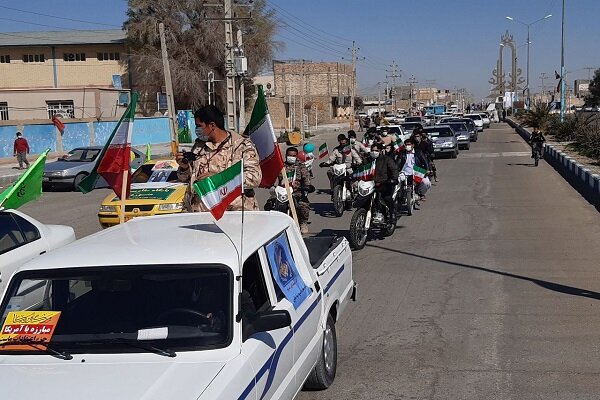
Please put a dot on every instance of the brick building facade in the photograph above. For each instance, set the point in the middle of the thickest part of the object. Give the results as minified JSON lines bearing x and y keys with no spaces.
{"x":318,"y":90}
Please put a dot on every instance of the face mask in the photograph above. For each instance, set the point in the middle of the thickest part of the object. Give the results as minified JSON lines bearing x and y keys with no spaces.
{"x":200,"y":134}
{"x":352,"y":140}
{"x":290,"y":160}
{"x":374,"y":154}
{"x":409,"y":148}
{"x":384,"y":133}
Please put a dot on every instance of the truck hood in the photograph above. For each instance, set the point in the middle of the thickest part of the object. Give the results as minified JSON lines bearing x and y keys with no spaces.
{"x":76,"y":379}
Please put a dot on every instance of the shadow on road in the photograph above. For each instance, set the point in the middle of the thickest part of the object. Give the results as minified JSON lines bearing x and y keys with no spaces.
{"x":325,"y":209}
{"x":545,"y":284}
{"x":521,"y":164}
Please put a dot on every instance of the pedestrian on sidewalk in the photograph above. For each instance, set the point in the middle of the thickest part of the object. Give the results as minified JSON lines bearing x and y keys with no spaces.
{"x":21,"y":149}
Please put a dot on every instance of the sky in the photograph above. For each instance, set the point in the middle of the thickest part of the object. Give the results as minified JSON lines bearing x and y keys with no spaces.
{"x":454,"y":43}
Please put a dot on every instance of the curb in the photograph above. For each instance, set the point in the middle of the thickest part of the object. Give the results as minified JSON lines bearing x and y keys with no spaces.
{"x":576,"y":174}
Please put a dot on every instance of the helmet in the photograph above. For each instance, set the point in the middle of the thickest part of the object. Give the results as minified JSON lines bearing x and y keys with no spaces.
{"x":309,"y":147}
{"x":301,"y":156}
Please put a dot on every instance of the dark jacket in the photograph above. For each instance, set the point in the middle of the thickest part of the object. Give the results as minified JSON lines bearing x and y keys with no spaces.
{"x":385,"y":169}
{"x":537,"y":137}
{"x":420,"y":160}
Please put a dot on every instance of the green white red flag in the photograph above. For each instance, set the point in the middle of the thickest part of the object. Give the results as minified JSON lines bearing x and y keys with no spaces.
{"x":323,"y":151}
{"x":218,"y":191}
{"x":365,"y":172}
{"x":291,"y":175}
{"x":347,"y":149}
{"x":419,"y":174}
{"x":115,"y":158}
{"x":261,"y":132}
{"x":398,"y":145}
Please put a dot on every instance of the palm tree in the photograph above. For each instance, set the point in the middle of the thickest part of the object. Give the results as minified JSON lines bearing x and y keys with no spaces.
{"x":536,"y":117}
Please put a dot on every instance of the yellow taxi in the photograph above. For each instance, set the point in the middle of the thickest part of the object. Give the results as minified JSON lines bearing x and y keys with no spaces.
{"x":155,"y":190}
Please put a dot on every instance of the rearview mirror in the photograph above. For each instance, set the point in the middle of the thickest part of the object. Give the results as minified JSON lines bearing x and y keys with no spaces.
{"x":265,"y":321}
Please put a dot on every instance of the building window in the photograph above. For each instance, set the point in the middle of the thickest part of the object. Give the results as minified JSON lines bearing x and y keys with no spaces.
{"x":108,"y":56}
{"x":5,"y":59}
{"x":3,"y":111}
{"x":64,"y":107}
{"x":74,"y":57}
{"x":29,"y":58}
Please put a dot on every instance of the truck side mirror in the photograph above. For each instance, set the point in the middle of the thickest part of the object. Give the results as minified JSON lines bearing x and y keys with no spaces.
{"x":266,"y":321}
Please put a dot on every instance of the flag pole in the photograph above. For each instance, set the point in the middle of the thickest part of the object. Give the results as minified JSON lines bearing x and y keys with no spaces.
{"x":123,"y":196}
{"x":288,"y":189}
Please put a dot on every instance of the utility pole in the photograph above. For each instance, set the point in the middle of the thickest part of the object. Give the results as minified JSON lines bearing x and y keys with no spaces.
{"x":169,"y":87}
{"x":430,"y":83}
{"x":242,"y":106}
{"x":229,"y":68}
{"x":379,"y":98}
{"x":302,"y":84}
{"x":394,"y":75}
{"x":412,"y":82}
{"x":543,"y":77}
{"x":562,"y":65}
{"x":354,"y":50}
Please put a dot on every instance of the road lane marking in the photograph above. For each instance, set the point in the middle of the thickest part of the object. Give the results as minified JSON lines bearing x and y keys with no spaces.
{"x":495,"y":155}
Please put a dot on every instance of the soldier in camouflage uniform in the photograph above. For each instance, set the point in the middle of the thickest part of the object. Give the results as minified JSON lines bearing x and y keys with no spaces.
{"x":215,"y":150}
{"x":300,"y":179}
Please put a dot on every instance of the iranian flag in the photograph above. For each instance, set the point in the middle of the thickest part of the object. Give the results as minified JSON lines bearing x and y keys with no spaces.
{"x":347,"y":150}
{"x":219,"y":190}
{"x":323,"y":151}
{"x":365,"y":172}
{"x":419,"y":174}
{"x":113,"y":163}
{"x":398,"y":145}
{"x":261,"y":132}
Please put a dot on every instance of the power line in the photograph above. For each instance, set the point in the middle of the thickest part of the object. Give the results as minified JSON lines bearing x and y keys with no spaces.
{"x":312,"y":48}
{"x":344,"y":42}
{"x":57,"y":17}
{"x":45,"y":25}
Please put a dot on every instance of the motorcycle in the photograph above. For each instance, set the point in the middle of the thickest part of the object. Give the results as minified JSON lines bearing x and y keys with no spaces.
{"x":343,"y":195}
{"x":279,"y":199}
{"x":405,"y":195}
{"x":371,"y":212}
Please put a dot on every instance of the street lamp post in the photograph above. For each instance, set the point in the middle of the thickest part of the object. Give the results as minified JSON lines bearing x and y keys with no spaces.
{"x":528,"y":43}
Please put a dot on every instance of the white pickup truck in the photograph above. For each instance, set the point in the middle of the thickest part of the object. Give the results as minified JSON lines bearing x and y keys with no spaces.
{"x":162,"y":308}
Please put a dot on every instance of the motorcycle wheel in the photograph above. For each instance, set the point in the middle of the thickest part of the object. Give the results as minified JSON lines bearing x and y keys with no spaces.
{"x":358,"y":231}
{"x":390,"y":228}
{"x":338,"y":203}
{"x":409,"y":202}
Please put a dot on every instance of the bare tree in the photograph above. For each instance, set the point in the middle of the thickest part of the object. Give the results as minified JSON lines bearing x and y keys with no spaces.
{"x":196,"y":42}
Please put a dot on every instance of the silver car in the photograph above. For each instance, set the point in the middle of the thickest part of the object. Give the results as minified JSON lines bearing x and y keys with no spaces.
{"x":444,"y":140}
{"x":70,"y":169}
{"x":463,"y":136}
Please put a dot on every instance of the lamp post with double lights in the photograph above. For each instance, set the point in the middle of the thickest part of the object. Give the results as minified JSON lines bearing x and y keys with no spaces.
{"x":528,"y":25}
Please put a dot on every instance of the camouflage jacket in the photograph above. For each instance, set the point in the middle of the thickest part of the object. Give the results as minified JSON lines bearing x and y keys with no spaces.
{"x":299,"y":173}
{"x":214,"y":158}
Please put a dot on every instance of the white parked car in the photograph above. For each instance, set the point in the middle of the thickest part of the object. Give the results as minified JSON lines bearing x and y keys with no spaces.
{"x":23,"y":238}
{"x":486,"y":120}
{"x":162,"y":308}
{"x":477,"y":120}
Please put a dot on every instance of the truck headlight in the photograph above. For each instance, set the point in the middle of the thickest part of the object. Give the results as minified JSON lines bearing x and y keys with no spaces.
{"x":170,"y":207}
{"x":108,"y":209}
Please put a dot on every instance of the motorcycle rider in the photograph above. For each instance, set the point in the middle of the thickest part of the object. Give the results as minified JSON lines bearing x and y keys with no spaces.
{"x":536,"y":139}
{"x":299,"y":182}
{"x":408,"y":159}
{"x":360,"y":148}
{"x":386,"y":177}
{"x":369,"y":137}
{"x":341,"y":154}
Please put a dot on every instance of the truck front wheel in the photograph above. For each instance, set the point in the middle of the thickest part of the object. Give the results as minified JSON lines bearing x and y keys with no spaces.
{"x":323,"y":374}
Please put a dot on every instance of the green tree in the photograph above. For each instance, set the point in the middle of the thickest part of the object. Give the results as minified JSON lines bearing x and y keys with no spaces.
{"x":536,"y":117}
{"x":195,"y":40}
{"x":593,"y":98}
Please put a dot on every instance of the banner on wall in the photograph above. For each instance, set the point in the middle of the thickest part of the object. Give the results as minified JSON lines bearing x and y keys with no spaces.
{"x":185,"y":126}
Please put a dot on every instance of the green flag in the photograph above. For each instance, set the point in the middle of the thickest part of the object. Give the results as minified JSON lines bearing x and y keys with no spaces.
{"x":148,"y":152}
{"x":28,"y":187}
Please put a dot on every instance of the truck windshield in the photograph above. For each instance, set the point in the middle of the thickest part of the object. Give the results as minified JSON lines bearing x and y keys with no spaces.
{"x":128,"y":309}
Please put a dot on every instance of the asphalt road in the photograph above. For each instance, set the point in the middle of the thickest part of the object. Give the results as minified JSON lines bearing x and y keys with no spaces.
{"x":489,"y":292}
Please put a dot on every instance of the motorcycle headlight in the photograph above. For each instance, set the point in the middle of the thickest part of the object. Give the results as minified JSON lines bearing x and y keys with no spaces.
{"x":170,"y":207}
{"x":108,"y":209}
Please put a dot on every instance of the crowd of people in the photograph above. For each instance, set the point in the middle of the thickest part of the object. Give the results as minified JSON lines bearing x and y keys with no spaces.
{"x":215,"y":149}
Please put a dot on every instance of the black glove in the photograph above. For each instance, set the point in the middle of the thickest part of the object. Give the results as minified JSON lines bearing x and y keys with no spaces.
{"x":323,"y":164}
